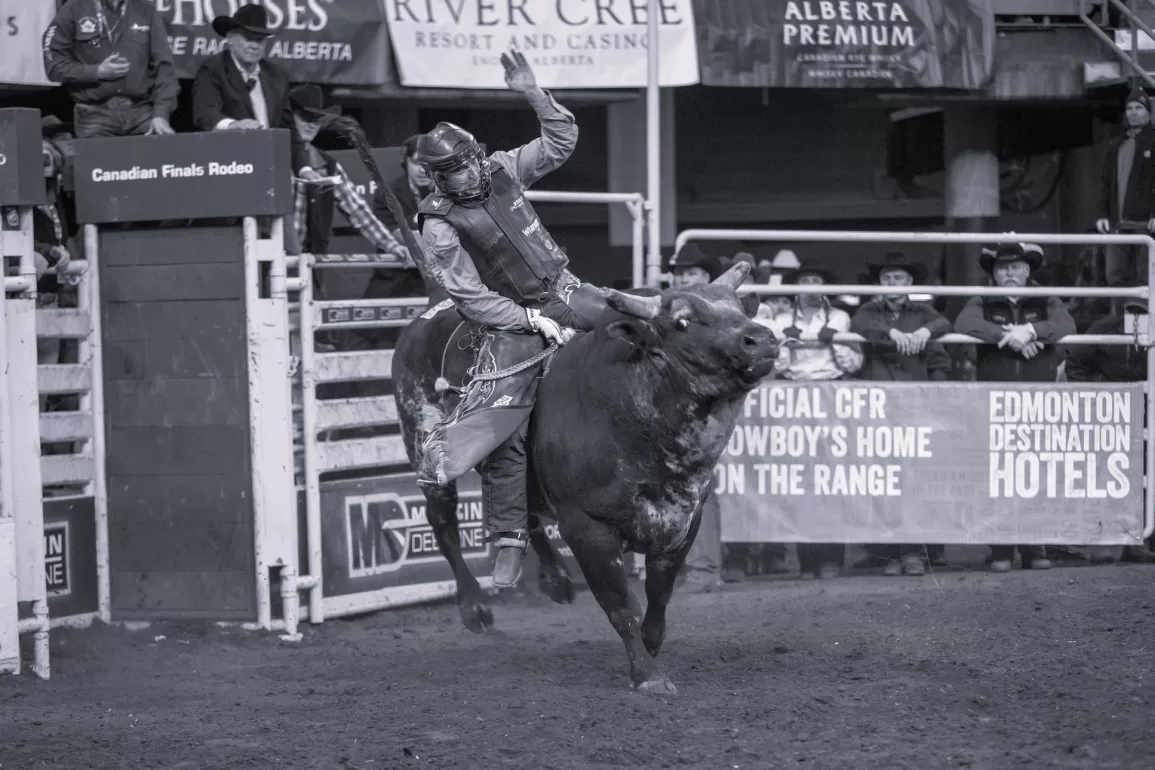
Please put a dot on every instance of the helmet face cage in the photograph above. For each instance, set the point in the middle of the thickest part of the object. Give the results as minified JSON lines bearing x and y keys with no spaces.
{"x":474,"y":156}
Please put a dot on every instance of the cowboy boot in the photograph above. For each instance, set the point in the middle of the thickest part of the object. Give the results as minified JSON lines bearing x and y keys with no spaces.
{"x":510,"y":552}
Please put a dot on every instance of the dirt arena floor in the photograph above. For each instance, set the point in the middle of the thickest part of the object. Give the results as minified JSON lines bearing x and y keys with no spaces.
{"x":959,"y":669}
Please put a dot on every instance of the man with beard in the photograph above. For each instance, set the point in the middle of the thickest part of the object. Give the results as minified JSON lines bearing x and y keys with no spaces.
{"x":1020,"y":333}
{"x":1127,"y":190}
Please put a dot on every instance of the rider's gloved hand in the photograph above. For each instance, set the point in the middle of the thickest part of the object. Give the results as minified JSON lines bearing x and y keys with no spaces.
{"x":546,"y":327}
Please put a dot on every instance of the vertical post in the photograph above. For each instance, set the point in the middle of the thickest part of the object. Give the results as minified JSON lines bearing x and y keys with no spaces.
{"x":1149,"y":411}
{"x":9,"y":591}
{"x":88,"y":300}
{"x":308,"y":369}
{"x":638,"y":274}
{"x":972,"y":190}
{"x":653,"y":142}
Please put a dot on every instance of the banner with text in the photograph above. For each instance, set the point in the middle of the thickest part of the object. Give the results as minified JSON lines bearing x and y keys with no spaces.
{"x":22,"y":23}
{"x":332,"y":42}
{"x":846,"y":43}
{"x":893,"y":462}
{"x":569,"y":43}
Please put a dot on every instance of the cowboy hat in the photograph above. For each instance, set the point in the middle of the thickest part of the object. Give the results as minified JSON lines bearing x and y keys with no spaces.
{"x":896,"y":260}
{"x":691,"y":255}
{"x":308,"y":101}
{"x":251,"y":20}
{"x":1011,"y":252}
{"x":811,"y":267}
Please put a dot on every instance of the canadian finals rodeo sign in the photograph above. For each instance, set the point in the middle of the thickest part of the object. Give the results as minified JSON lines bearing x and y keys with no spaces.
{"x":846,"y":43}
{"x":984,"y":463}
{"x":316,"y":41}
{"x":569,"y":43}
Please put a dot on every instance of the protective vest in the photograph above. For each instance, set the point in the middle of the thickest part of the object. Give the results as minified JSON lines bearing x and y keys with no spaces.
{"x":509,"y":245}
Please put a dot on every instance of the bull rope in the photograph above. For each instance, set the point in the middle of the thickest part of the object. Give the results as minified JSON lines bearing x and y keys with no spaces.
{"x":442,"y":384}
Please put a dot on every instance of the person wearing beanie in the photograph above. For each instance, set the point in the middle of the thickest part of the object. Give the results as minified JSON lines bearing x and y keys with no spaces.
{"x":1127,"y":190}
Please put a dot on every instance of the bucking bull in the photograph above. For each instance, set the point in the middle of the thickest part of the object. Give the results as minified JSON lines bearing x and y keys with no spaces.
{"x":629,"y":422}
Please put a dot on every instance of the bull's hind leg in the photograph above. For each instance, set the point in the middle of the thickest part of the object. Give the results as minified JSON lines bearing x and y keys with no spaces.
{"x":441,"y":512}
{"x":553,"y":578}
{"x":598,"y":550}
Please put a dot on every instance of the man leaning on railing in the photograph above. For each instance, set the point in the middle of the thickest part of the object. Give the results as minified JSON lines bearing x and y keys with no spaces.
{"x":1020,"y":335}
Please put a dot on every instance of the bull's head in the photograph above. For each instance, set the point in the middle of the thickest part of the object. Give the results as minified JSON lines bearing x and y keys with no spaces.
{"x":705,"y":330}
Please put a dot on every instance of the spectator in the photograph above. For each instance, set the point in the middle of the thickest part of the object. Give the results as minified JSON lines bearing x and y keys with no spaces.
{"x":410,"y":189}
{"x":807,"y":354}
{"x":238,"y":89}
{"x":313,"y":204}
{"x":1021,"y":335}
{"x":1127,"y":190}
{"x":1113,"y":363}
{"x":912,"y":327}
{"x":114,"y":59}
{"x":691,"y":266}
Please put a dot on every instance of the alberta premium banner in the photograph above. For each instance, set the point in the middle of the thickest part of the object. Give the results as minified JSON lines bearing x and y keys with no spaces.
{"x":22,"y":24}
{"x":569,"y":43}
{"x":958,"y":462}
{"x":882,"y":44}
{"x":340,"y":42}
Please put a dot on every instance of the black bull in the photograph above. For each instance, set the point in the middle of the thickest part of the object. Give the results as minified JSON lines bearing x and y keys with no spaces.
{"x":629,"y":423}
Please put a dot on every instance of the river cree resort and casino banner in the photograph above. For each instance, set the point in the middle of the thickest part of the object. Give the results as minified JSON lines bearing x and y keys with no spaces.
{"x":569,"y":43}
{"x":983,"y":463}
{"x":846,"y":43}
{"x":334,"y":42}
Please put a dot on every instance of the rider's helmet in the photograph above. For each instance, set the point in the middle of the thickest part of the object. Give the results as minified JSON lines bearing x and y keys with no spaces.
{"x":455,"y":162}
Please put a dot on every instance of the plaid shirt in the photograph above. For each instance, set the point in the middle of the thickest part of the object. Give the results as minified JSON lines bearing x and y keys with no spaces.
{"x":356,"y":210}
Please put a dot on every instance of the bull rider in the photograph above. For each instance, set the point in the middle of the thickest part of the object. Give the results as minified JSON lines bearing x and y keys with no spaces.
{"x":487,"y":248}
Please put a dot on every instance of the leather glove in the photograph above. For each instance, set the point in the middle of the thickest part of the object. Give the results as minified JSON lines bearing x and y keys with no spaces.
{"x":826,"y":334}
{"x":546,"y":327}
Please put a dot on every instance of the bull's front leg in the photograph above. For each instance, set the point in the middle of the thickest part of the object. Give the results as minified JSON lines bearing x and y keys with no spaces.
{"x":597,"y":547}
{"x":661,"y":573}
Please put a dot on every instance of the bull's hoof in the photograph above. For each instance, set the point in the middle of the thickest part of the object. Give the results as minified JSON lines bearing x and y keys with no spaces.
{"x":477,"y":616}
{"x":556,"y":586}
{"x":660,"y":685}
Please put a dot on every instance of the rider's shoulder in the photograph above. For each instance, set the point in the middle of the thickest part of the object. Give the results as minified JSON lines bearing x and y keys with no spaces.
{"x":436,"y":204}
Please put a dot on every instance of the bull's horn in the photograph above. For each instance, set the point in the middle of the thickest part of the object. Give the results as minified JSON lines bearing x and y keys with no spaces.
{"x":733,"y":277}
{"x":631,"y":304}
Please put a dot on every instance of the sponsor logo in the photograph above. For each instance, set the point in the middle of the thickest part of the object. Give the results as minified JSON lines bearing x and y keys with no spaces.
{"x":444,"y":304}
{"x":505,"y":400}
{"x":57,"y":565}
{"x":532,"y":227}
{"x":518,"y":203}
{"x":140,"y":27}
{"x":387,"y":531}
{"x":48,"y":35}
{"x":436,"y":203}
{"x":87,"y":25}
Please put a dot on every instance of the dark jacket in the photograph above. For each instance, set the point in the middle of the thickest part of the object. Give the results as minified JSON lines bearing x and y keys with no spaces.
{"x":1139,"y":202}
{"x":219,"y":92}
{"x":984,"y":317}
{"x":400,"y":187}
{"x":1106,"y":363}
{"x":875,"y":319}
{"x":76,"y":43}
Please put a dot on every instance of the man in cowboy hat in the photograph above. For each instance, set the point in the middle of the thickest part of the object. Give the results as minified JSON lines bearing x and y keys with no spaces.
{"x":903,"y":332}
{"x":238,"y":89}
{"x":1127,"y":189}
{"x":692,"y":266}
{"x":1114,"y":363}
{"x":806,"y":330}
{"x":114,"y":59}
{"x":1020,"y":335}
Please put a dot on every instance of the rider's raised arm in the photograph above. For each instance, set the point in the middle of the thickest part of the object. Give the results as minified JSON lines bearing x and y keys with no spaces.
{"x":455,"y":272}
{"x":559,"y":135}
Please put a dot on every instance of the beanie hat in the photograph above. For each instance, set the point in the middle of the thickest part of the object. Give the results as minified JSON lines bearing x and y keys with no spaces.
{"x":1140,"y":96}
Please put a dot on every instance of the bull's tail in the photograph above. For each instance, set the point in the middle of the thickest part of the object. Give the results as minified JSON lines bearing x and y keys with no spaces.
{"x":350,"y":130}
